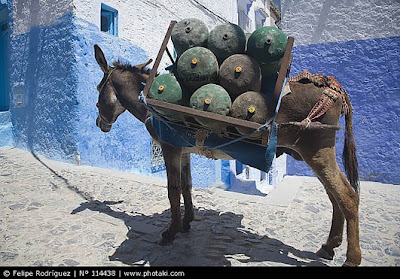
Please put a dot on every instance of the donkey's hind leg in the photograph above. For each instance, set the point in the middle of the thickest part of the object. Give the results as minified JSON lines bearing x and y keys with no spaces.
{"x":323,"y":163}
{"x":336,"y":233}
{"x":172,"y":158}
{"x":187,"y":192}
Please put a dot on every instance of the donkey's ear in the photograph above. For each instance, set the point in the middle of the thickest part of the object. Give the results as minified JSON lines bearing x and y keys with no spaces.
{"x":141,"y":66}
{"x":101,"y":59}
{"x":144,"y":73}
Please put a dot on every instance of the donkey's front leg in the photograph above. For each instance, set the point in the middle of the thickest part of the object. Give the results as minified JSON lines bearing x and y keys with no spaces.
{"x":172,"y":158}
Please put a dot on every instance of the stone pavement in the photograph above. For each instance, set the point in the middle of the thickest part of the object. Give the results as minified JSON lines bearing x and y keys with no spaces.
{"x":53,"y":213}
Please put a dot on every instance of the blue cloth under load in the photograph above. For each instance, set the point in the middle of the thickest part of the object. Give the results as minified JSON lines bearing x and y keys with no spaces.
{"x":254,"y":155}
{"x":257,"y":156}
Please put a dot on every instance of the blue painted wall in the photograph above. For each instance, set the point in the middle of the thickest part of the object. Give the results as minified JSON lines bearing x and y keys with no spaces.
{"x":54,"y":76}
{"x":370,"y":72}
{"x":43,"y":77}
{"x":123,"y":147}
{"x":6,"y":129}
{"x":4,"y":61}
{"x":127,"y":146}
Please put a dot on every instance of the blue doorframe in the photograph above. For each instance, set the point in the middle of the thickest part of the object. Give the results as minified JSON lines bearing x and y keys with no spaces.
{"x":4,"y":61}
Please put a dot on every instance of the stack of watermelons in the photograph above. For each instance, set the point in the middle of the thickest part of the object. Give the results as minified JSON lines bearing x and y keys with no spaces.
{"x":221,"y":72}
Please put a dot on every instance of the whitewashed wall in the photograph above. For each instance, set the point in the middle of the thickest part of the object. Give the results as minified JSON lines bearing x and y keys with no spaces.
{"x":358,"y":42}
{"x":144,"y":23}
{"x":29,"y":13}
{"x":315,"y":21}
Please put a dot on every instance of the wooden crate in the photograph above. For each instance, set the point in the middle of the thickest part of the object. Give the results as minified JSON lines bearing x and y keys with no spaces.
{"x":188,"y":113}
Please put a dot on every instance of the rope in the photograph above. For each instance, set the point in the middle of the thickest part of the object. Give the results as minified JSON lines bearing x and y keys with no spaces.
{"x":201,"y":136}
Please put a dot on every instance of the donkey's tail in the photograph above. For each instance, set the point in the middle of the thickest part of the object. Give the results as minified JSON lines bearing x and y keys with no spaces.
{"x":349,"y":150}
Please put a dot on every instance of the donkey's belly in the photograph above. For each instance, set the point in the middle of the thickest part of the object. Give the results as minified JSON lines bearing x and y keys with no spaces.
{"x":211,"y":154}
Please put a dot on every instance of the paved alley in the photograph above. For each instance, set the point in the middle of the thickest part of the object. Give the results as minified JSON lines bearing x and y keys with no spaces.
{"x":53,"y":213}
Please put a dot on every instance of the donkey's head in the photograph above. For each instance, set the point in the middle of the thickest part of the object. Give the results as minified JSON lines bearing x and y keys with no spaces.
{"x":119,"y":90}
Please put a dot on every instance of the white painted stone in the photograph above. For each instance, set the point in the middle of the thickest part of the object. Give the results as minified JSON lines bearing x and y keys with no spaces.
{"x":315,"y":21}
{"x":31,"y":13}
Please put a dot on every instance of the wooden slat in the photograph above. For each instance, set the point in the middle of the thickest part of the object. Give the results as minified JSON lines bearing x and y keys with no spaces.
{"x":153,"y":71}
{"x":204,"y":114}
{"x":286,"y":62}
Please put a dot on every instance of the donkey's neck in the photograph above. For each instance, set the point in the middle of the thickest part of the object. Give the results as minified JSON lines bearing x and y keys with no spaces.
{"x":128,"y":95}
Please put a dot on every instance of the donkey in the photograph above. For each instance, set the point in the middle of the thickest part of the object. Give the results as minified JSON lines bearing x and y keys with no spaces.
{"x":119,"y":90}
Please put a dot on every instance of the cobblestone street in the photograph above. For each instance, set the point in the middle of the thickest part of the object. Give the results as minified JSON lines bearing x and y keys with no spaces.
{"x":54,"y":213}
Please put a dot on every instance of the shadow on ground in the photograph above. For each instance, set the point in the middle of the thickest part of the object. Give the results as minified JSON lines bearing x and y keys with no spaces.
{"x":215,"y":239}
{"x":62,"y":178}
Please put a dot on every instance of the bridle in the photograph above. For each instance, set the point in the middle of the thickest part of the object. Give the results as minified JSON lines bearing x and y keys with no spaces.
{"x":105,"y":121}
{"x":108,"y":80}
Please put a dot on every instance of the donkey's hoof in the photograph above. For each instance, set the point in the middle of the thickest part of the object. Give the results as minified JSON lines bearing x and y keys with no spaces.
{"x":349,"y":264}
{"x":353,"y":259}
{"x":323,"y":253}
{"x":167,"y":238}
{"x":186,"y":227}
{"x":165,"y":242}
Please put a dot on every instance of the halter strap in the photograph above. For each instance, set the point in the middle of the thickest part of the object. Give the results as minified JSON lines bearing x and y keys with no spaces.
{"x":107,"y":78}
{"x":101,"y":88}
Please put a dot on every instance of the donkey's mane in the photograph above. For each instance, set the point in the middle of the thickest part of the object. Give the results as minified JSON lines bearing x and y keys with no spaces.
{"x":124,"y":66}
{"x":128,"y":67}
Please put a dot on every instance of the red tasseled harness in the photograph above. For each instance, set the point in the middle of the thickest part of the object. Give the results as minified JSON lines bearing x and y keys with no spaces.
{"x":332,"y":91}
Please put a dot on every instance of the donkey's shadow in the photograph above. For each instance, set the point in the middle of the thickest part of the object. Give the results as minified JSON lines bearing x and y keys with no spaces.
{"x":215,"y":239}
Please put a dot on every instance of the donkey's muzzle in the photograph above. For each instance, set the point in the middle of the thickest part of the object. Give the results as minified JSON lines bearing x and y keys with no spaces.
{"x":104,"y":127}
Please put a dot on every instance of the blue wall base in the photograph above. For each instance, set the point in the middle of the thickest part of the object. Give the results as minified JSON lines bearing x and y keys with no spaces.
{"x":369,"y":71}
{"x":6,"y":129}
{"x":53,"y":113}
